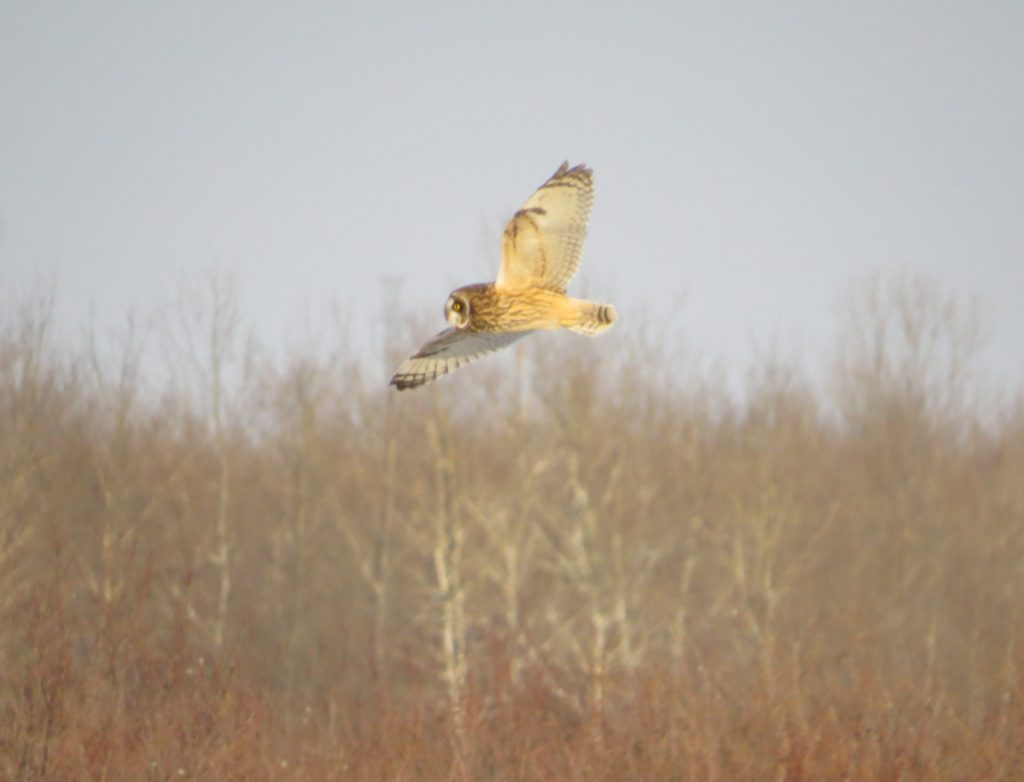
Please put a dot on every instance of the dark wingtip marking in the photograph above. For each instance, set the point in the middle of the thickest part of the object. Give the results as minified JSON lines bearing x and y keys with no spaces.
{"x":402,"y":382}
{"x":579,"y":171}
{"x":571,"y":177}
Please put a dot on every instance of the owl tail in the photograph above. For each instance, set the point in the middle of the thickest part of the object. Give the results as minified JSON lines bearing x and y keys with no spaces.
{"x":591,"y":318}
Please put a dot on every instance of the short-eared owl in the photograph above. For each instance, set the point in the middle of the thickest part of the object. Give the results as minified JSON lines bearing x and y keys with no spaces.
{"x":540,"y":253}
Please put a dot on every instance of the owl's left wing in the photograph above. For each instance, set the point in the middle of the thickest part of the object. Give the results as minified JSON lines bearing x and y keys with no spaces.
{"x":543,"y":242}
{"x":448,"y":351}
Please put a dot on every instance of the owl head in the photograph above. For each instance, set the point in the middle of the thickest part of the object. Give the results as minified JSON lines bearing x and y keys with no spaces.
{"x":457,"y":310}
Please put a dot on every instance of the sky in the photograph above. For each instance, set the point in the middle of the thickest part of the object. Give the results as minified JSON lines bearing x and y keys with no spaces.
{"x":752,"y":161}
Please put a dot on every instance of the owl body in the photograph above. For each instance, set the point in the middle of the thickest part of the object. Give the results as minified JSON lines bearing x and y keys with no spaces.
{"x":541,"y":250}
{"x":487,"y":308}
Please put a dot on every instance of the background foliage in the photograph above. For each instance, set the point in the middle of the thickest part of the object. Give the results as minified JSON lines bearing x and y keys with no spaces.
{"x":605,"y":566}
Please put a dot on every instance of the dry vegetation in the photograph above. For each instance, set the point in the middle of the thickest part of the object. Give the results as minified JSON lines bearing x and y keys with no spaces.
{"x":599,"y":571}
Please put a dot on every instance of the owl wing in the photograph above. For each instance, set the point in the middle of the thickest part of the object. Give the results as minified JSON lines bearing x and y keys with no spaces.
{"x":543,"y":242}
{"x":447,"y":351}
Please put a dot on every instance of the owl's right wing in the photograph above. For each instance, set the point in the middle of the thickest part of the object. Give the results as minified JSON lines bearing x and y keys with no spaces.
{"x":447,"y":351}
{"x":543,"y":242}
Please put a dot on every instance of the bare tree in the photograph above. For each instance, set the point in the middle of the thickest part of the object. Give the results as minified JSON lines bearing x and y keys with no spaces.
{"x":205,"y":339}
{"x":906,"y":343}
{"x":449,"y":538}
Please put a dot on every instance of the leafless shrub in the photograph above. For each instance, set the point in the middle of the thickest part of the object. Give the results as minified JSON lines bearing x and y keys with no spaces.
{"x":575,"y":564}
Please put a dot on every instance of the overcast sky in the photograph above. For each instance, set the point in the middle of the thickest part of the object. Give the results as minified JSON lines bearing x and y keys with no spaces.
{"x":751,"y":160}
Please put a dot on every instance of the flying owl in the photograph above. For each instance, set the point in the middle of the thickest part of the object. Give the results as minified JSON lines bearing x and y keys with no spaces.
{"x":540,"y":253}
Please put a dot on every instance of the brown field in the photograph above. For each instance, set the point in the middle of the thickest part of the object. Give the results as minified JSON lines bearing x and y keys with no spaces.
{"x":609,"y":568}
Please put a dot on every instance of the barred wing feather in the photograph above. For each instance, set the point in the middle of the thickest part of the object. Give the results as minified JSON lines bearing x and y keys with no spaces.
{"x":543,"y":242}
{"x":446,"y":352}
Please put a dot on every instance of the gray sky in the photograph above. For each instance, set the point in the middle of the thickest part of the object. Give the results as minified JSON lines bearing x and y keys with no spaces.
{"x":751,"y":159}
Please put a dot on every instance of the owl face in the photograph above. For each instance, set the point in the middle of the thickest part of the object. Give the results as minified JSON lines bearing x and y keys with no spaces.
{"x":457,"y":310}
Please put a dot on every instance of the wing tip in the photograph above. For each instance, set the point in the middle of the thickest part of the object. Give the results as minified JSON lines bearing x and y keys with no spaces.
{"x":580,"y":170}
{"x":402,"y":382}
{"x":404,"y":379}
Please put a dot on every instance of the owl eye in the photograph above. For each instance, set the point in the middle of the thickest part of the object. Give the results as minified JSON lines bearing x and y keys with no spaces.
{"x":457,"y":306}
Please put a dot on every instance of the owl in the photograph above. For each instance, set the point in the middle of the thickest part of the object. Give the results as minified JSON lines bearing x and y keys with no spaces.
{"x":540,"y":253}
